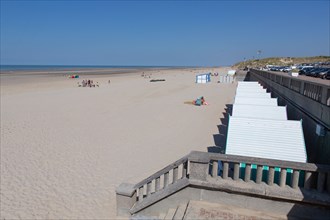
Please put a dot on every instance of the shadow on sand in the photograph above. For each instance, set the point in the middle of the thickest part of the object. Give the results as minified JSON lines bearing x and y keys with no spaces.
{"x":221,"y":138}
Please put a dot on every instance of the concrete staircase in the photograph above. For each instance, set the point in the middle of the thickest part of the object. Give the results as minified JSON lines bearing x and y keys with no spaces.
{"x":206,"y":210}
{"x":177,"y":213}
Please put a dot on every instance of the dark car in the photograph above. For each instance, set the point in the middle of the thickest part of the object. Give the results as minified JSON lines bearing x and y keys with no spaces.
{"x":305,"y":71}
{"x":327,"y":75}
{"x":323,"y":73}
{"x":316,"y":72}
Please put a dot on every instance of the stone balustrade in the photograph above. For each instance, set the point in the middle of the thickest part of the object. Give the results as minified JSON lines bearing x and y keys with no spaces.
{"x":206,"y":169}
{"x":283,"y":173}
{"x":161,"y":179}
{"x":313,"y":90}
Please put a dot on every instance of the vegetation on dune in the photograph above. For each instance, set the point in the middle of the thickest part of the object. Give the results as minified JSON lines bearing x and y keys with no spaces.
{"x":280,"y":61}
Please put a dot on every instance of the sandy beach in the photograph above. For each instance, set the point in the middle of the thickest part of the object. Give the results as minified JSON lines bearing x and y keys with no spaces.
{"x":65,"y":149}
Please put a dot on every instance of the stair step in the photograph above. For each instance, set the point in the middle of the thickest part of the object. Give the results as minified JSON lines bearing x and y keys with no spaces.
{"x":143,"y":217}
{"x":179,"y":214}
{"x":161,"y":216}
{"x":170,"y":214}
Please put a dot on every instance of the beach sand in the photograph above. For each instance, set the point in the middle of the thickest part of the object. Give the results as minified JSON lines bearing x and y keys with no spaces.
{"x":65,"y":149}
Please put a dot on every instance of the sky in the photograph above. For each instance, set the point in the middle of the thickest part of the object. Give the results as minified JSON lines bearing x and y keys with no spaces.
{"x":160,"y":33}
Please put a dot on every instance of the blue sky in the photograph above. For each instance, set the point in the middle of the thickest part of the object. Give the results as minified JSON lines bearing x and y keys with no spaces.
{"x":179,"y":33}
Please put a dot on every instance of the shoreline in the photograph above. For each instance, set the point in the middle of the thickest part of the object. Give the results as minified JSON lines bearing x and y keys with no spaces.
{"x":109,"y":70}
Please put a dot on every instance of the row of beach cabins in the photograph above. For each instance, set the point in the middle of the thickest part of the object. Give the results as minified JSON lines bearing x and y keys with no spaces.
{"x":259,"y":128}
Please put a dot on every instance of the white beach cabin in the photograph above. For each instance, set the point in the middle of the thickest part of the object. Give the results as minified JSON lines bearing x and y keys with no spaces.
{"x":260,"y":111}
{"x":255,"y":101}
{"x":266,"y":138}
{"x":203,"y":78}
{"x":231,"y":72}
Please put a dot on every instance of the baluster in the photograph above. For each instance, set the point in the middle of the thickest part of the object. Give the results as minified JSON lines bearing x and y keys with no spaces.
{"x":271,"y":172}
{"x":247,"y":173}
{"x":215,"y":168}
{"x":175,"y":174}
{"x":236,"y":171}
{"x":283,"y":177}
{"x":302,"y":88}
{"x":148,"y":188}
{"x":225,"y":170}
{"x":295,"y":179}
{"x":141,"y":189}
{"x":308,"y":180}
{"x":320,"y":181}
{"x":184,"y":169}
{"x":157,"y":184}
{"x":166,"y":175}
{"x":259,"y":174}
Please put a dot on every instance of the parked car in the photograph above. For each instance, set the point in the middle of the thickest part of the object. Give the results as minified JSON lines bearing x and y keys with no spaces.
{"x":305,"y":71}
{"x":323,"y":73}
{"x":327,"y":75}
{"x":286,"y":69}
{"x":316,"y":72}
{"x":274,"y":68}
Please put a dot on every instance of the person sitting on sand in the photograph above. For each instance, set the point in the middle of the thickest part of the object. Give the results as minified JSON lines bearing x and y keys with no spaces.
{"x":202,"y":100}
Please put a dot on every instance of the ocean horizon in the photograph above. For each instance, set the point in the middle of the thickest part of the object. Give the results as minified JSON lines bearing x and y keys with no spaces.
{"x":73,"y":67}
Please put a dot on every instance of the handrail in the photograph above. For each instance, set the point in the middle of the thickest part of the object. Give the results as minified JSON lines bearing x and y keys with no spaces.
{"x":197,"y":157}
{"x":289,"y":77}
{"x":270,"y":162}
{"x":313,"y":90}
{"x":161,"y":172}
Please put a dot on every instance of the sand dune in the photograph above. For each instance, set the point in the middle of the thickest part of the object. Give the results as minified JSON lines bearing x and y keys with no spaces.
{"x":64,"y":148}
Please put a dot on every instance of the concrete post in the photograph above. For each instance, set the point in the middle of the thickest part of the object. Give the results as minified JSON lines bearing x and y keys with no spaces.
{"x":302,"y":87}
{"x":198,"y":166}
{"x":157,"y":184}
{"x":283,"y":177}
{"x":259,"y":174}
{"x":175,"y":174}
{"x":225,"y":170}
{"x":308,"y":180}
{"x":166,"y":176}
{"x":125,"y":199}
{"x":236,"y":171}
{"x":324,"y":95}
{"x":149,"y":188}
{"x":295,"y":179}
{"x":184,"y":170}
{"x":141,"y":192}
{"x":271,"y":173}
{"x":215,"y":168}
{"x":247,"y":176}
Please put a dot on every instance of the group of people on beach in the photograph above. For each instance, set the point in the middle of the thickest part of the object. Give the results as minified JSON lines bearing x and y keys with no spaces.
{"x":88,"y":83}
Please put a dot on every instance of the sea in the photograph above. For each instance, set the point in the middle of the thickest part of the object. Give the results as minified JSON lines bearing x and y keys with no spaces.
{"x":9,"y":68}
